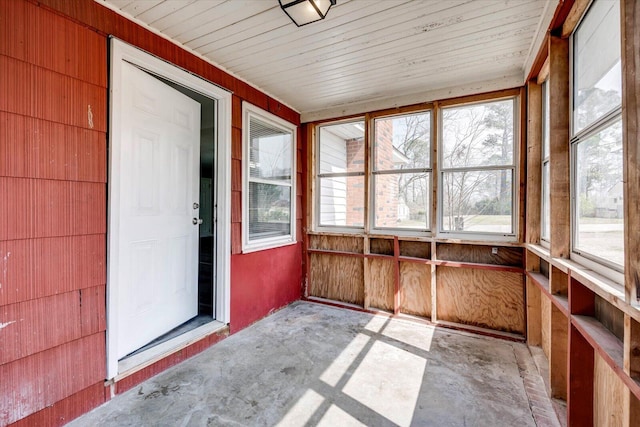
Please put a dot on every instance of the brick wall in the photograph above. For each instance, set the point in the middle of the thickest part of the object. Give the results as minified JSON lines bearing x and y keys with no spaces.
{"x":386,"y":186}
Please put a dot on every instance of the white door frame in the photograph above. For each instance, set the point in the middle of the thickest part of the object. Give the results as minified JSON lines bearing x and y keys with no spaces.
{"x":121,"y":51}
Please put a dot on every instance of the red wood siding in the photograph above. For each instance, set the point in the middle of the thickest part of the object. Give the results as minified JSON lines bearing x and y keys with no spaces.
{"x":53,"y":173}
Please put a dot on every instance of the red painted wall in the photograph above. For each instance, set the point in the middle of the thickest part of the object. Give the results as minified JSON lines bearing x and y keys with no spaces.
{"x":53,"y":171}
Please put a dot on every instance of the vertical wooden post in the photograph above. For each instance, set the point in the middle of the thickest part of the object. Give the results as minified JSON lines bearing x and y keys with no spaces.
{"x":630,"y":37}
{"x":397,"y":297}
{"x":558,"y":355}
{"x":534,"y":162}
{"x":533,"y":295}
{"x":559,"y":147}
{"x":367,"y":272}
{"x":434,"y":287}
{"x":521,"y":215}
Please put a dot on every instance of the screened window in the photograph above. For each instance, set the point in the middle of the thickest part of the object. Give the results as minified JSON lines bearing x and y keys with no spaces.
{"x":269,"y":194}
{"x":545,"y":225}
{"x":340,"y":175}
{"x":598,"y":222}
{"x":478,"y":168}
{"x":402,"y":171}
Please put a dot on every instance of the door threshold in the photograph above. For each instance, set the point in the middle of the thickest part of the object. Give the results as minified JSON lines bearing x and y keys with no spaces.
{"x":139,"y":361}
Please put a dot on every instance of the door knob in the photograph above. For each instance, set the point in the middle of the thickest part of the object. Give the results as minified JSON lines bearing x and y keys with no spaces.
{"x":196,"y":205}
{"x":197,"y":221}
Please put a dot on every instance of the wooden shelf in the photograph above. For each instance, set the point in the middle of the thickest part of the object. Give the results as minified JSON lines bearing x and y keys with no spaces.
{"x":415,"y":259}
{"x":342,"y":253}
{"x":541,"y":281}
{"x":602,"y":340}
{"x":562,"y":303}
{"x":494,"y":267}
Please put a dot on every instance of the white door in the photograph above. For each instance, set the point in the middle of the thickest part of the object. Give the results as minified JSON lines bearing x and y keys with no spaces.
{"x":157,"y":245}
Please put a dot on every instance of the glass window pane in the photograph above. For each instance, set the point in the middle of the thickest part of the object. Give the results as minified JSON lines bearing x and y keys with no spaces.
{"x":478,"y":201}
{"x":269,"y":151}
{"x":403,"y":142}
{"x":599,"y":202}
{"x":269,"y":210}
{"x":342,"y":148}
{"x":402,"y":200}
{"x":546,"y":203}
{"x":478,"y":135}
{"x":596,"y":70}
{"x":342,"y":201}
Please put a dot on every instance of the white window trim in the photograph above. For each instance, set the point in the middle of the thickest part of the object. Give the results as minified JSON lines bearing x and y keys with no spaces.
{"x":515,"y":187}
{"x":600,"y":265}
{"x":398,"y":231}
{"x":316,"y":179}
{"x":123,"y":52}
{"x":249,"y":111}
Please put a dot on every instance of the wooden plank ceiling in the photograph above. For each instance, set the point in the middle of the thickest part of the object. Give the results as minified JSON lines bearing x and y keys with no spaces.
{"x":365,"y":51}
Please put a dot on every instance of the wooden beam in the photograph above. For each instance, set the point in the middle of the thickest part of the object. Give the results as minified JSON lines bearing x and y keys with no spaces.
{"x":543,"y":75}
{"x":630,"y":37}
{"x":575,"y":14}
{"x":559,"y":147}
{"x":631,"y":365}
{"x":522,"y":166}
{"x":558,"y":354}
{"x":534,"y":162}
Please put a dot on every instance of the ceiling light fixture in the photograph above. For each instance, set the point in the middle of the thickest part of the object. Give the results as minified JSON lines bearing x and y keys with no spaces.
{"x":303,"y":12}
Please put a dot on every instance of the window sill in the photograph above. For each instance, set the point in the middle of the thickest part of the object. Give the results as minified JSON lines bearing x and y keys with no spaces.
{"x":271,"y":245}
{"x":609,"y":290}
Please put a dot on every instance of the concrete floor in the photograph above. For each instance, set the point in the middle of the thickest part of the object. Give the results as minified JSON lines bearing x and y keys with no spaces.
{"x":311,"y":364}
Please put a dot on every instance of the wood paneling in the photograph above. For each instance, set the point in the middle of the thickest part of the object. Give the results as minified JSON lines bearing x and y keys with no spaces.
{"x":381,"y":246}
{"x":483,"y":254}
{"x":415,"y":249}
{"x":534,"y":162}
{"x":630,"y":34}
{"x":415,"y":285}
{"x":490,"y":299}
{"x":534,"y":318}
{"x":545,"y":322}
{"x":336,"y":243}
{"x":560,"y":226}
{"x":608,"y":395}
{"x":559,"y":325}
{"x":337,"y":278}
{"x":381,"y":287}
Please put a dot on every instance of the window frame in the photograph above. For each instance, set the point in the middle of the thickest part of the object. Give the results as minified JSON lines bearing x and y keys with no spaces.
{"x":249,"y":112}
{"x":514,"y":167}
{"x":399,"y":231}
{"x":598,"y":264}
{"x":545,"y":156}
{"x":317,"y":176}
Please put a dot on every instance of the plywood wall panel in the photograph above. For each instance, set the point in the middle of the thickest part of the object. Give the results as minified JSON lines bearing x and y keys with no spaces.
{"x":36,"y":325}
{"x":381,"y":287}
{"x":511,"y":256}
{"x":490,"y":299}
{"x":381,"y":246}
{"x":15,"y":212}
{"x":34,"y":382}
{"x":337,"y":243}
{"x":13,"y":144}
{"x":415,"y":249}
{"x":337,"y":278}
{"x":415,"y":285}
{"x":608,"y":395}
